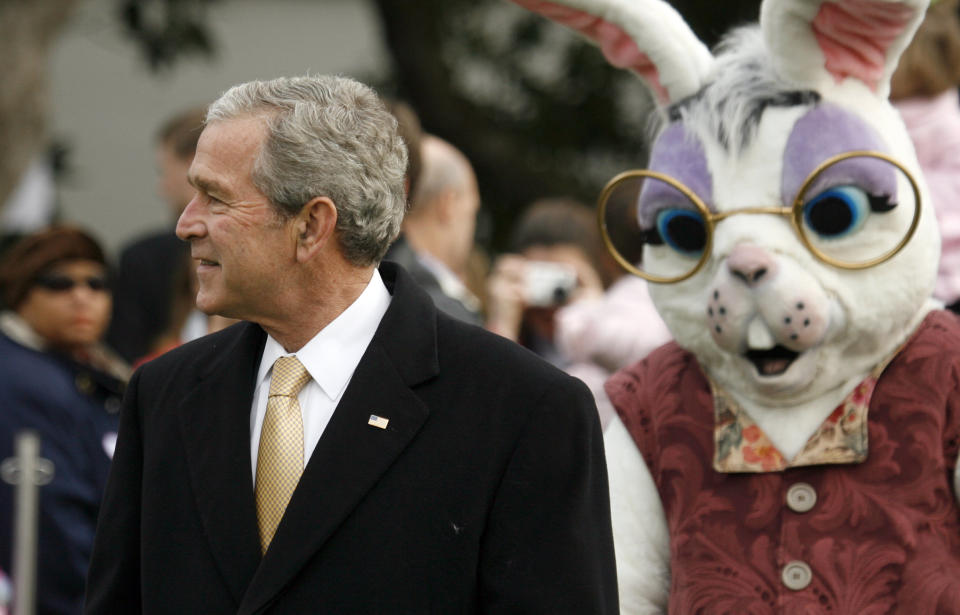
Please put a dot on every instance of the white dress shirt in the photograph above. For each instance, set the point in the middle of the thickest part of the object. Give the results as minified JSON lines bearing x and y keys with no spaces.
{"x":330,"y":357}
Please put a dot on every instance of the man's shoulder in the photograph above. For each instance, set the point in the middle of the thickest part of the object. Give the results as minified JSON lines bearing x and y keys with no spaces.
{"x":199,"y":353}
{"x":466,"y":347}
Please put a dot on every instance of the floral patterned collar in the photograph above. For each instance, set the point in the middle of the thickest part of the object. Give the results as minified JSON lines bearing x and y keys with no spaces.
{"x":741,"y":446}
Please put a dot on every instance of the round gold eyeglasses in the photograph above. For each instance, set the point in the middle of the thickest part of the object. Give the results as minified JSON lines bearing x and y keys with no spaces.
{"x":851,"y":212}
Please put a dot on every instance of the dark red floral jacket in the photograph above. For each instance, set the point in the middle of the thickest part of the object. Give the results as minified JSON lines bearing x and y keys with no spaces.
{"x":868,"y":538}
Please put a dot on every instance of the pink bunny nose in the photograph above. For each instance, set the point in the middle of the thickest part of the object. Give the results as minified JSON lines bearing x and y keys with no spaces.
{"x":752,"y":264}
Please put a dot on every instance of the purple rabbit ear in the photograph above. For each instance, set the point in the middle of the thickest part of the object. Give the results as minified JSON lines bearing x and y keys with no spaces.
{"x":645,"y":36}
{"x":819,"y":44}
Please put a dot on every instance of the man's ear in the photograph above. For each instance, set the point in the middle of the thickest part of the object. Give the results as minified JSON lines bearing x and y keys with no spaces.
{"x":314,"y":225}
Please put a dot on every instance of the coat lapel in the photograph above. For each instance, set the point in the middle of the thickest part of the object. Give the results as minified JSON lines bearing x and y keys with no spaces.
{"x":215,"y":421}
{"x":352,"y":455}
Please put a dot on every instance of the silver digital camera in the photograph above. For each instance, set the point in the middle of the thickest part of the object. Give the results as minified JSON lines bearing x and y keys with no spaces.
{"x":547,"y":284}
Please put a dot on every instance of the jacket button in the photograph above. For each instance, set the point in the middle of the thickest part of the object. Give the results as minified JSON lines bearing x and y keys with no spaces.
{"x":84,"y":383}
{"x":796,"y":575}
{"x":112,"y":405}
{"x":801,"y":497}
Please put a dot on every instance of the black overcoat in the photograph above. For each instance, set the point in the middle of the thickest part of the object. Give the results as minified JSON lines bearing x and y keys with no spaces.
{"x":486,"y":492}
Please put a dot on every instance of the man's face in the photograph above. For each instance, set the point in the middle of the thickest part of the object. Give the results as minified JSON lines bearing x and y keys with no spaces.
{"x":244,"y":250}
{"x":172,"y":184}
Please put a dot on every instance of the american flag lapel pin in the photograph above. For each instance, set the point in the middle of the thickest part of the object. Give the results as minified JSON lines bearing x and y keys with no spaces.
{"x":378,"y":421}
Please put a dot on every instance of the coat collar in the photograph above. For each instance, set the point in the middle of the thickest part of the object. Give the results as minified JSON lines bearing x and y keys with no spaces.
{"x":348,"y":460}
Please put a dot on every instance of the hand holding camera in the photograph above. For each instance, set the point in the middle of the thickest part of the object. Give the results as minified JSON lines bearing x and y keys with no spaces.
{"x":518,"y":283}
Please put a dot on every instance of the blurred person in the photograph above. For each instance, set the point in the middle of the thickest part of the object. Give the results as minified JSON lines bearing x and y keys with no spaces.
{"x":409,"y":129}
{"x":57,"y":379}
{"x":438,"y":231}
{"x":348,"y":448}
{"x":605,"y":333}
{"x":570,"y":319}
{"x":555,"y":260}
{"x":924,"y":91}
{"x":148,"y":266}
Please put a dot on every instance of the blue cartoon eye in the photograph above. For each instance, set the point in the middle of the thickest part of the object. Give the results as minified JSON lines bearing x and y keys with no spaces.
{"x":683,"y":230}
{"x":839,"y":211}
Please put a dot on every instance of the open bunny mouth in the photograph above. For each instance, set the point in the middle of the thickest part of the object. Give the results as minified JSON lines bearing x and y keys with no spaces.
{"x":772,"y":362}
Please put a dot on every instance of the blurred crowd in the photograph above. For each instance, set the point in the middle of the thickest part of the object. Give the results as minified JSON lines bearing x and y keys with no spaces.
{"x":74,"y":324}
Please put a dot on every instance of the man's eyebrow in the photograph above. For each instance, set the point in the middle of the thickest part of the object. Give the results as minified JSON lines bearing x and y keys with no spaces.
{"x":208,"y":186}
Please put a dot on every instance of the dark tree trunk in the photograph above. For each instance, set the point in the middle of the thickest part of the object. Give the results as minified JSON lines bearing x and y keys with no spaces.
{"x":27,"y":31}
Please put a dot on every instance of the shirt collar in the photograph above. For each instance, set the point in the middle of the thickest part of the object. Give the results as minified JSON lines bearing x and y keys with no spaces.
{"x":332,"y":355}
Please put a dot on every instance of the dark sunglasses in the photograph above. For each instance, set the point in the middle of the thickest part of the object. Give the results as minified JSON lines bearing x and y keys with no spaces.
{"x":64,"y":283}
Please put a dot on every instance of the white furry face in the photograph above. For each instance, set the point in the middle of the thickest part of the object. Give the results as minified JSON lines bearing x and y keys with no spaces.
{"x":766,"y":318}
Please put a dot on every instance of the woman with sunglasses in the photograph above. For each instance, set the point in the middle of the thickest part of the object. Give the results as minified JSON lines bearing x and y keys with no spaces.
{"x":57,"y":379}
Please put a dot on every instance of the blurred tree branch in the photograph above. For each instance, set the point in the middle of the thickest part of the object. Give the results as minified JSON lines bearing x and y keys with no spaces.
{"x":27,"y":30}
{"x":164,"y":31}
{"x":535,"y":108}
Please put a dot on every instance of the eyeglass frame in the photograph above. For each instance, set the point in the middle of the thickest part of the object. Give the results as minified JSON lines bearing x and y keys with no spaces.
{"x":794,"y":212}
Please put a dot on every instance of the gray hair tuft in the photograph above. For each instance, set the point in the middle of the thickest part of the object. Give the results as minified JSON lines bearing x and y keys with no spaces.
{"x":327,"y":136}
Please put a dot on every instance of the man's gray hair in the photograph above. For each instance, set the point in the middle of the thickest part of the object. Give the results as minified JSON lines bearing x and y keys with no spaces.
{"x":327,"y":136}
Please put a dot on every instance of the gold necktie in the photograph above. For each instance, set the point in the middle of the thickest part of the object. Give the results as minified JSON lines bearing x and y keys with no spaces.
{"x":280,"y":453}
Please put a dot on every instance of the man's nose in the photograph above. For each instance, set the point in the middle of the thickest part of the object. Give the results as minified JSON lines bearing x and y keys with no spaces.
{"x":190,"y":223}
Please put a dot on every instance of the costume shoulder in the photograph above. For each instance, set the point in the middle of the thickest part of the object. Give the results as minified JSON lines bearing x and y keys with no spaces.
{"x":653,"y":388}
{"x":941,"y":329}
{"x":930,"y":359}
{"x":659,"y":371}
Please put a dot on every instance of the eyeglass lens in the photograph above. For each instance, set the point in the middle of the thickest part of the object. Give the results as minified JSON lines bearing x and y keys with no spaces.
{"x":655,"y":227}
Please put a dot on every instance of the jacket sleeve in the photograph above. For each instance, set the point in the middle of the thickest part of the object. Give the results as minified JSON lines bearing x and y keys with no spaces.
{"x":113,"y":580}
{"x":548,"y":547}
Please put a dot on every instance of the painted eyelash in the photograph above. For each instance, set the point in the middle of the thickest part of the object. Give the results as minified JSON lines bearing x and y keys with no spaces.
{"x":881,"y":203}
{"x":651,"y":236}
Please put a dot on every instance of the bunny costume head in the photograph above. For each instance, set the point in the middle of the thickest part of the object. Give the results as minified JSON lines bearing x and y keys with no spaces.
{"x":796,"y":448}
{"x":769,"y":313}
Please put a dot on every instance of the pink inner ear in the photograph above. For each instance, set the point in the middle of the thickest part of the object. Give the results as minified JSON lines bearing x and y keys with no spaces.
{"x":855,"y":35}
{"x":617,"y":46}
